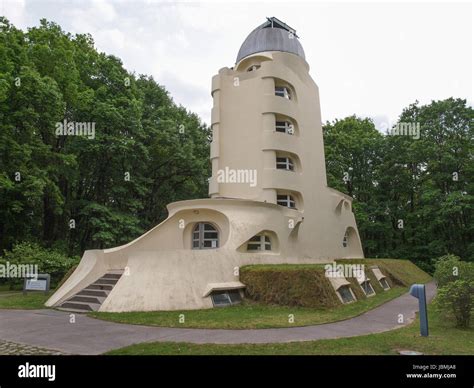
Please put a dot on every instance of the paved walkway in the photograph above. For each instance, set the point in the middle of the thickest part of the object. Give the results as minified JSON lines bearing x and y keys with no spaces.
{"x":51,"y":329}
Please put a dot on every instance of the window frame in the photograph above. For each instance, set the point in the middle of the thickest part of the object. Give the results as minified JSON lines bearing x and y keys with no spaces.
{"x":386,"y":282}
{"x":283,"y":91}
{"x":230,"y":301}
{"x":287,"y":127}
{"x":367,"y":281}
{"x":289,"y":200}
{"x":262,"y":243}
{"x":287,"y":164}
{"x":345,"y":240}
{"x":349,"y":292}
{"x":199,"y":239}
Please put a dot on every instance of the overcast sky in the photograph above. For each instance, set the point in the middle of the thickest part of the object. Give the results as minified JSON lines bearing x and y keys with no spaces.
{"x":369,"y":59}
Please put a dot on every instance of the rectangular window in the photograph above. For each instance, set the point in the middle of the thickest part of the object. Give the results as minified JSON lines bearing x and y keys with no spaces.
{"x":220,"y":299}
{"x":284,"y":163}
{"x":284,"y":127}
{"x":384,"y":284}
{"x":286,"y":200}
{"x":282,"y":91}
{"x":253,"y":246}
{"x":280,"y":126}
{"x":367,"y":287}
{"x":235,"y":296}
{"x":225,"y":298}
{"x":346,"y":294}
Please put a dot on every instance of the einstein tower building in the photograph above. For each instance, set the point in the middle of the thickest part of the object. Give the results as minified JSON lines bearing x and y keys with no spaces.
{"x":269,"y":200}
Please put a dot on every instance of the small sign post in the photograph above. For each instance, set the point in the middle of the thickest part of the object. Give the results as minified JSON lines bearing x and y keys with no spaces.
{"x":418,"y":291}
{"x":38,"y":283}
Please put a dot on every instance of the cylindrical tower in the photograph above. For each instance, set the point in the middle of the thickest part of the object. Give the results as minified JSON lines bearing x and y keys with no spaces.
{"x":266,"y":123}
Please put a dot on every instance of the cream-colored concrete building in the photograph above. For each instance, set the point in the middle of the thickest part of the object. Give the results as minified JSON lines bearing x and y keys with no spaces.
{"x":269,"y":200}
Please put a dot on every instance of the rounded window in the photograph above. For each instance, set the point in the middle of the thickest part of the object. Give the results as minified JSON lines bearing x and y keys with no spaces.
{"x":205,"y":236}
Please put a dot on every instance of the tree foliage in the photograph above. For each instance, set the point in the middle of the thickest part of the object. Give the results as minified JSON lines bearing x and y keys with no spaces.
{"x":75,"y":192}
{"x":455,"y":297}
{"x":47,"y":261}
{"x":413,"y":198}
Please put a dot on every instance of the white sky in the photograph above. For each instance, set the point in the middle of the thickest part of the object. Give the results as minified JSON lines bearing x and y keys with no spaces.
{"x":370,"y":59}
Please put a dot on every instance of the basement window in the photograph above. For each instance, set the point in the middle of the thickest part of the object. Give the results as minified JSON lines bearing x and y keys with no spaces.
{"x":260,"y":242}
{"x":383,"y":282}
{"x":346,"y":294}
{"x":367,"y":288}
{"x":226,"y":298}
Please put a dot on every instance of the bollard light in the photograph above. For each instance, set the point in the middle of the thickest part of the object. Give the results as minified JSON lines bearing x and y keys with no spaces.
{"x":418,"y":291}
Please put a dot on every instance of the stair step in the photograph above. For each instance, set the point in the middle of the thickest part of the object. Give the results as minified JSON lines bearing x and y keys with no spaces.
{"x":95,"y":286}
{"x":99,"y":293}
{"x":112,"y":276}
{"x":106,"y":281}
{"x":91,"y":297}
{"x":77,"y":306}
{"x":86,"y":299}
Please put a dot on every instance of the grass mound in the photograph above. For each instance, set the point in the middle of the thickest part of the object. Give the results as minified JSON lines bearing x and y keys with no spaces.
{"x":306,"y":285}
{"x":288,"y":286}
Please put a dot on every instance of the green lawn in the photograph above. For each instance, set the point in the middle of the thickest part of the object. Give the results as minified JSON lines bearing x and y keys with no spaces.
{"x":251,"y":315}
{"x":16,"y":300}
{"x":444,"y":339}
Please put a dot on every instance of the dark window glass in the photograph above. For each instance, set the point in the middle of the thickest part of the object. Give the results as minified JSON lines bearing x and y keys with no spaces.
{"x":384,"y":284}
{"x":367,"y":287}
{"x":346,"y":294}
{"x":225,"y":298}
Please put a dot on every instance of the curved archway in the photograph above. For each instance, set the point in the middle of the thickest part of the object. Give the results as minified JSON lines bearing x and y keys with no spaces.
{"x":351,"y":243}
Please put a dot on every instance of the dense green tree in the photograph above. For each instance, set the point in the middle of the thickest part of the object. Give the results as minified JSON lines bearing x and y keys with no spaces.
{"x":413,"y":197}
{"x":144,"y":152}
{"x":412,"y":194}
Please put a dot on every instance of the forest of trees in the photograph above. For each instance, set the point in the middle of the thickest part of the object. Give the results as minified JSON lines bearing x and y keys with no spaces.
{"x":147,"y":151}
{"x":413,"y":198}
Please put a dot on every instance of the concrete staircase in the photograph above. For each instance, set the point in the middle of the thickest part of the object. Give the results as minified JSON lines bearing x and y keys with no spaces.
{"x":92,"y":297}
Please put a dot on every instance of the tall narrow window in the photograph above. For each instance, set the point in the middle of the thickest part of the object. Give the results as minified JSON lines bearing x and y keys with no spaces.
{"x":345,"y":240}
{"x":205,"y":236}
{"x":260,"y":242}
{"x":367,"y":288}
{"x":286,"y":200}
{"x":285,"y":163}
{"x":284,"y":127}
{"x":283,"y":91}
{"x":383,"y":282}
